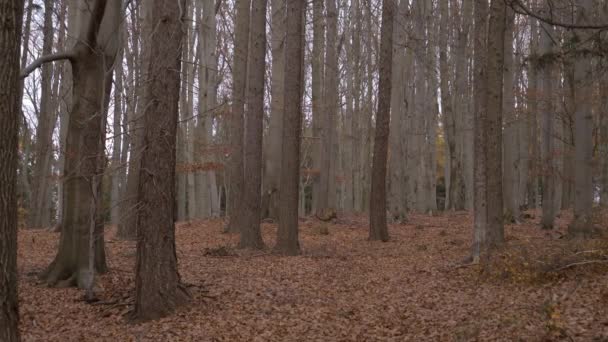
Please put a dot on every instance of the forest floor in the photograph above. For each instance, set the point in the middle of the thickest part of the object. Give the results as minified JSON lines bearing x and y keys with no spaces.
{"x":541,"y":287}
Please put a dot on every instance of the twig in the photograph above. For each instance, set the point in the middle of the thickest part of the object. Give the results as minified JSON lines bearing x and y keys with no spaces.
{"x":582,"y":263}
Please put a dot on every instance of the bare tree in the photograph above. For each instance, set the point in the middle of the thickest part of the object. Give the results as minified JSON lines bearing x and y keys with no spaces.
{"x":582,"y":225}
{"x":239,"y":79}
{"x":11,"y":16}
{"x":488,"y":216}
{"x":158,"y":290}
{"x":287,"y":235}
{"x":378,"y":229}
{"x":251,"y":236}
{"x":92,"y":59}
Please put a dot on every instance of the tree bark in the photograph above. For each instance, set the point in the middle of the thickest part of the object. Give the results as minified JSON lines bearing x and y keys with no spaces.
{"x":158,"y":290}
{"x":318,"y":79}
{"x":44,"y":130}
{"x":287,"y":235}
{"x":272,"y":170}
{"x":251,"y":236}
{"x":378,"y":229}
{"x":547,"y":128}
{"x":236,"y":171}
{"x":582,"y":225}
{"x":92,"y":60}
{"x":11,"y":16}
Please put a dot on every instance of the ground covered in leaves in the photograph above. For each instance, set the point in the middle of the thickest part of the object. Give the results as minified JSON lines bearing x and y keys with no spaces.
{"x":541,"y":287}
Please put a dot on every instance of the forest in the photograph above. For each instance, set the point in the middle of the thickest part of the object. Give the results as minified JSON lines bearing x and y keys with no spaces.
{"x":290,"y":170}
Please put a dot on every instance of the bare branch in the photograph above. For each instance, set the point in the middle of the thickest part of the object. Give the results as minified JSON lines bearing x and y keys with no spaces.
{"x":519,"y":7}
{"x":46,"y":59}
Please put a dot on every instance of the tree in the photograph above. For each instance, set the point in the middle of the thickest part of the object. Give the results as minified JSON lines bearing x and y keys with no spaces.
{"x":38,"y":213}
{"x":547,"y":127}
{"x":158,"y":290}
{"x":326,"y":204}
{"x":273,"y":143}
{"x":489,"y":60}
{"x":92,"y":60}
{"x":251,"y":236}
{"x":11,"y":16}
{"x":235,"y":170}
{"x":318,"y":76}
{"x":582,"y":225}
{"x":378,"y":229}
{"x":287,"y":235}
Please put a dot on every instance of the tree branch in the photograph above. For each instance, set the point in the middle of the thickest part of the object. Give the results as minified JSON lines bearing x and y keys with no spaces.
{"x":519,"y":7}
{"x":46,"y":59}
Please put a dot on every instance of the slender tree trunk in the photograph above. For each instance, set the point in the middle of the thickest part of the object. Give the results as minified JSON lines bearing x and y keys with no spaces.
{"x":510,"y":150}
{"x":327,"y":201}
{"x":547,"y":129}
{"x":287,"y":235}
{"x":378,"y":229}
{"x":236,"y":171}
{"x":251,"y":236}
{"x":397,"y":192}
{"x":275,"y":129}
{"x":44,"y":130}
{"x":127,"y":225}
{"x":603,"y":150}
{"x":158,"y":290}
{"x":318,"y":79}
{"x":11,"y":16}
{"x":532,"y":121}
{"x":115,"y":194}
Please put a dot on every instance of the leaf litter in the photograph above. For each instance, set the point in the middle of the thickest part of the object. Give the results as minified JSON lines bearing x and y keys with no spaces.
{"x":341,"y":288}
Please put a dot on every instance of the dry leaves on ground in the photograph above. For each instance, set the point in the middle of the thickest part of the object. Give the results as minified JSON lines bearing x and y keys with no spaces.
{"x":342,"y":288}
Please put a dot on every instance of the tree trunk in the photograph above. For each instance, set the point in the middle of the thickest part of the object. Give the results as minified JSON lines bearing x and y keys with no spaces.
{"x":327,"y":202}
{"x":547,"y":128}
{"x":158,"y":290}
{"x":44,"y":130}
{"x":603,"y":150}
{"x":287,"y":235}
{"x":11,"y":16}
{"x":532,"y":120}
{"x":582,"y":225}
{"x":115,"y":193}
{"x":397,"y":201}
{"x":92,"y":63}
{"x":239,"y":78}
{"x":378,"y":229}
{"x":318,"y":79}
{"x":275,"y":127}
{"x":510,"y":150}
{"x":251,"y":236}
{"x":127,"y":225}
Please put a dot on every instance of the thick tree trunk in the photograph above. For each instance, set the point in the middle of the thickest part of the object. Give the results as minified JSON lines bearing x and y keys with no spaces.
{"x":239,"y":78}
{"x":158,"y":290}
{"x":251,"y":236}
{"x":582,"y":225}
{"x":11,"y":16}
{"x":287,"y":235}
{"x":378,"y":229}
{"x":92,"y":62}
